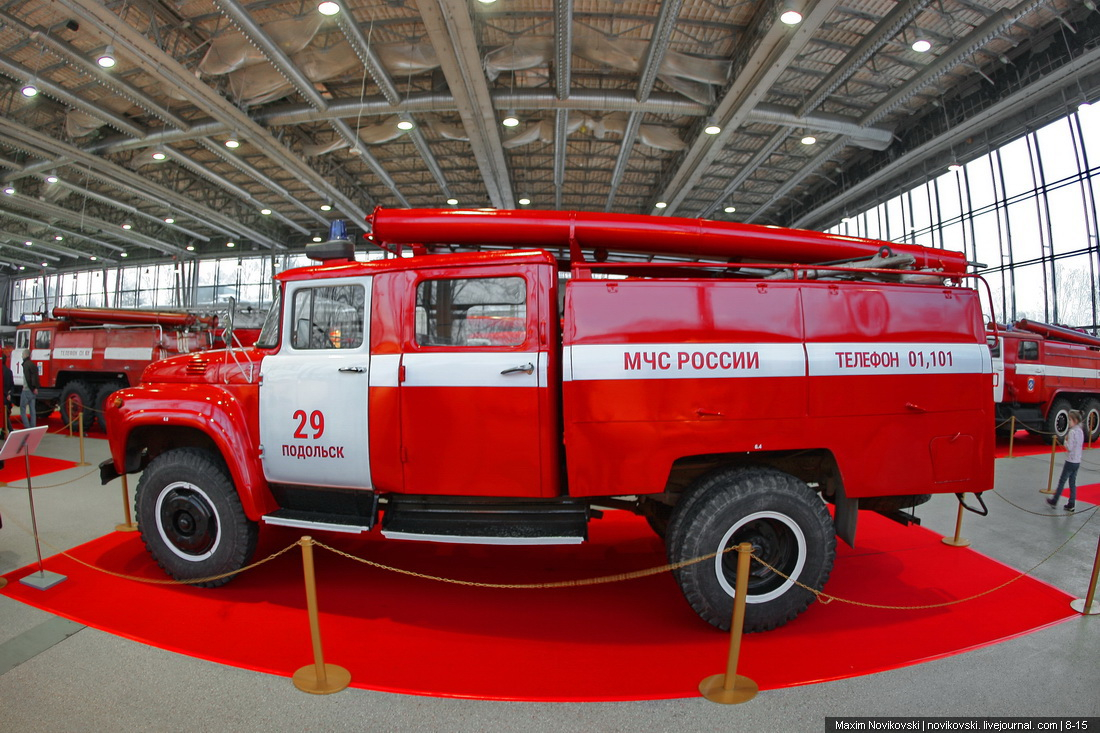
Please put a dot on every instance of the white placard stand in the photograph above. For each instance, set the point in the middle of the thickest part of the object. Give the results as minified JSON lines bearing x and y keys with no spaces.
{"x":26,"y":441}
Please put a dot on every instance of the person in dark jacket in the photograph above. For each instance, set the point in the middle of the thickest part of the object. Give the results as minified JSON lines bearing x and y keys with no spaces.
{"x":30,"y":390}
{"x":9,"y":396}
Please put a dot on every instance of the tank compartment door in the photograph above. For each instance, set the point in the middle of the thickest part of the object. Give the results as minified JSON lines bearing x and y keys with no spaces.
{"x":313,"y":392}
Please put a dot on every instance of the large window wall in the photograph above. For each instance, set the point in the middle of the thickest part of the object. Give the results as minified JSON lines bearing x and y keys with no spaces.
{"x":1027,"y":212}
{"x":196,"y":284}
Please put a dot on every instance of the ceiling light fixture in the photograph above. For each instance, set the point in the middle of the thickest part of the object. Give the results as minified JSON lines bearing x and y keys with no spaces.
{"x":712,"y":129}
{"x":127,"y":226}
{"x":730,"y":209}
{"x":123,"y":254}
{"x":93,"y":258}
{"x":159,"y":155}
{"x":169,"y":220}
{"x":233,"y":142}
{"x":486,"y":2}
{"x":790,"y":16}
{"x":265,"y":212}
{"x":326,"y":207}
{"x":405,"y":123}
{"x":660,"y":204}
{"x":28,"y":243}
{"x":230,"y":244}
{"x":328,"y":7}
{"x":29,"y":90}
{"x":524,"y":201}
{"x":9,"y":190}
{"x":809,"y":140}
{"x":954,"y":167}
{"x":922,"y":46}
{"x":190,"y":248}
{"x":452,"y":202}
{"x":316,"y":238}
{"x":58,"y":238}
{"x":510,"y":120}
{"x":106,"y":60}
{"x":52,"y":178}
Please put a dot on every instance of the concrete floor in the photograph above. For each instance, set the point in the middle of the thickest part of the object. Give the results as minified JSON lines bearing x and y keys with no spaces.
{"x":59,"y":676}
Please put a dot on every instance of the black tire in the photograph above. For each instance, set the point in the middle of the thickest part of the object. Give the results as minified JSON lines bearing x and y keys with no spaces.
{"x":783,"y":518}
{"x":77,"y":401}
{"x":1091,"y":413}
{"x":101,"y":396}
{"x":42,"y":410}
{"x":1057,"y":422}
{"x":191,"y":519}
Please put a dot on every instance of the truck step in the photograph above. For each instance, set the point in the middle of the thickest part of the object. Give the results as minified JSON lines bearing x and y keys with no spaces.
{"x":326,"y":521}
{"x":486,"y":522}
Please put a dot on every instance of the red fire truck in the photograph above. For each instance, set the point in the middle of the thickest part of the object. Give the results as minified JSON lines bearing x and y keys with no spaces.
{"x":729,"y":399}
{"x":85,"y":354}
{"x":1041,"y":373}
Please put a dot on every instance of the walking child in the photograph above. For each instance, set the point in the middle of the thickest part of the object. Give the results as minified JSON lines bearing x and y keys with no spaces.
{"x":1074,"y":441}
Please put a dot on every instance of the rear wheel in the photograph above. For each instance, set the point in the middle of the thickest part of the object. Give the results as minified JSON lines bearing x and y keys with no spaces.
{"x":77,"y":398}
{"x":788,"y":526}
{"x":1091,"y":425}
{"x":1057,"y":422}
{"x":191,"y":518}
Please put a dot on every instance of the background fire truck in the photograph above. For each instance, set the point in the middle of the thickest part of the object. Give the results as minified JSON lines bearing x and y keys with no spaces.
{"x":1041,"y":373}
{"x":85,"y":354}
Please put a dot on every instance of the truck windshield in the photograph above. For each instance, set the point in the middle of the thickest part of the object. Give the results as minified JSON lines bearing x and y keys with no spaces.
{"x":269,"y":334}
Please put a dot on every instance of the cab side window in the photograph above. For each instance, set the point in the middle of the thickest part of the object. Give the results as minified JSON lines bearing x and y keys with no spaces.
{"x":328,"y":317}
{"x":42,"y":339}
{"x":486,"y":312}
{"x":1029,"y":350}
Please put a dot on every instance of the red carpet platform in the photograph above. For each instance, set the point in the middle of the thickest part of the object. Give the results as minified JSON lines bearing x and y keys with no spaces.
{"x":1026,"y":444}
{"x":624,"y":641}
{"x":15,"y":470}
{"x":57,"y":426}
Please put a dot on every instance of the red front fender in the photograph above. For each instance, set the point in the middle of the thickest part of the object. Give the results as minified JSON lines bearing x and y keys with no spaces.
{"x":160,"y":417}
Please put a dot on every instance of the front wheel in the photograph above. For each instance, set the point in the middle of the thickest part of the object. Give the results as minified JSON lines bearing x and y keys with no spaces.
{"x":788,"y":526}
{"x":191,"y":519}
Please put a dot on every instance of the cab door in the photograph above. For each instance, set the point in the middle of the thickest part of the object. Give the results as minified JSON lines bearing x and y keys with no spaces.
{"x":478,"y":413}
{"x":313,"y":392}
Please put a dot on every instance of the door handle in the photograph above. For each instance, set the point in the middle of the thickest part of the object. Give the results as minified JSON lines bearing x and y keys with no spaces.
{"x":354,"y":369}
{"x":527,"y":368}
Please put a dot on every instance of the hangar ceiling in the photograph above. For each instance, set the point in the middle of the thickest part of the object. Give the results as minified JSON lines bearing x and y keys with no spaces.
{"x":698,"y":108}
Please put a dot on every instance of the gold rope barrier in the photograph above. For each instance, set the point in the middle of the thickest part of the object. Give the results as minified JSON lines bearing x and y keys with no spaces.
{"x":1050,"y":474}
{"x":1012,"y":436}
{"x":957,"y":541}
{"x":129,"y":525}
{"x":1085,"y":605}
{"x":732,"y":688}
{"x":317,"y":678}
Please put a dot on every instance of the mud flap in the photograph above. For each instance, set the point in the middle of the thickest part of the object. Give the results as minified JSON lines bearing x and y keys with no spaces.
{"x":845,"y":516}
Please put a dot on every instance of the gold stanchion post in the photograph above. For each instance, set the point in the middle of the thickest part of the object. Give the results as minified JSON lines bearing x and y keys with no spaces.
{"x":1011,"y":436}
{"x":1086,"y":605}
{"x":1050,"y":473}
{"x":80,"y":420}
{"x":731,"y":688}
{"x":129,"y":526}
{"x":957,"y":541}
{"x":317,"y":678}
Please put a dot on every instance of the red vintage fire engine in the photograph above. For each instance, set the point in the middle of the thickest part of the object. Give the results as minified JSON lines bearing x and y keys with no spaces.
{"x":1041,"y":373}
{"x":725,"y":399}
{"x":85,"y":354}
